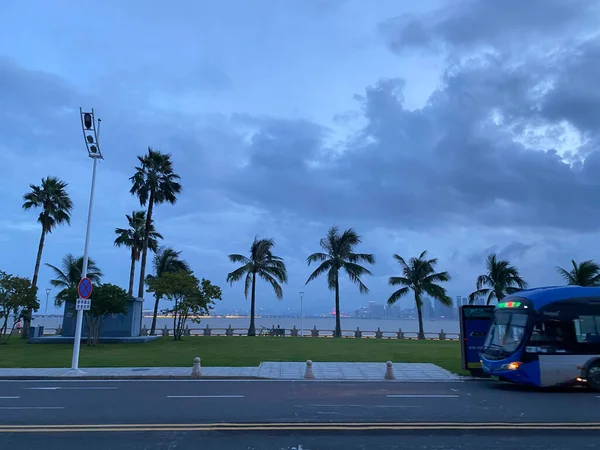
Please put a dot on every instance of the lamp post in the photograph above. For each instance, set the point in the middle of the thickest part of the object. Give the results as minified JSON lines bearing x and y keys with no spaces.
{"x":301,"y":314}
{"x":47,"y":295}
{"x":91,"y":133}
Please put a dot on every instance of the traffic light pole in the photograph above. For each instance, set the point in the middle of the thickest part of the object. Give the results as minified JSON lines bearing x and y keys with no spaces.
{"x":79,"y":323}
{"x":91,"y":136}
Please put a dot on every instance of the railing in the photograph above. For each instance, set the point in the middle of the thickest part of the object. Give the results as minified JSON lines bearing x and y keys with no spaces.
{"x":294,"y":332}
{"x":314,"y":333}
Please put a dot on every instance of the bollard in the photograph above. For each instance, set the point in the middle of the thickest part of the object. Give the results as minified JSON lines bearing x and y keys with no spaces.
{"x":358,"y":333}
{"x":309,"y":372}
{"x":378,"y":334}
{"x":196,"y":369}
{"x":144,"y":331}
{"x":389,"y":371}
{"x":165,"y":332}
{"x":442,"y":335}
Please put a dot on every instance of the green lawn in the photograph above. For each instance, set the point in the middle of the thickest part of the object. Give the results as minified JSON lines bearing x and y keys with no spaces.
{"x":232,"y":351}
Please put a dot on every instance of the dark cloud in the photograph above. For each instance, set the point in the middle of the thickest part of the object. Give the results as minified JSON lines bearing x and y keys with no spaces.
{"x":454,"y":161}
{"x":477,"y":24}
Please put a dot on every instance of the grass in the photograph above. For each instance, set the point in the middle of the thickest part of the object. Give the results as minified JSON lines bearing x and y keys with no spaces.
{"x":232,"y":352}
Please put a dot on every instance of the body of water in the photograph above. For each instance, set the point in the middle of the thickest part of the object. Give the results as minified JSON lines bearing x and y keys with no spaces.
{"x":322,"y":323}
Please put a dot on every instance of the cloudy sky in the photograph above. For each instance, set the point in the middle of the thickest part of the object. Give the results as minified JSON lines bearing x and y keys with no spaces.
{"x":460,"y":127}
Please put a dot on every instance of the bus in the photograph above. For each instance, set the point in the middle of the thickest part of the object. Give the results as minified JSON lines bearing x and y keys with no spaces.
{"x":546,"y":337}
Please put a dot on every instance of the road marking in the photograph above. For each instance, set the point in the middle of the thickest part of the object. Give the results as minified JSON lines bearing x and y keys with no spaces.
{"x":32,"y":407}
{"x":4,"y":398}
{"x":327,"y":426}
{"x":55,"y":388}
{"x":421,"y":396}
{"x":205,"y":396}
{"x":355,"y":406}
{"x":243,"y":425}
{"x":232,"y":380}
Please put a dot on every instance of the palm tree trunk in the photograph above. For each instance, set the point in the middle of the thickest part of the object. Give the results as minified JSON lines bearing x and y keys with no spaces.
{"x":145,"y":246}
{"x":420,"y":316}
{"x":131,"y":273}
{"x":36,"y":271}
{"x":252,"y":329}
{"x":499,"y":295}
{"x":338,"y":322}
{"x":144,"y":255}
{"x":154,"y":315}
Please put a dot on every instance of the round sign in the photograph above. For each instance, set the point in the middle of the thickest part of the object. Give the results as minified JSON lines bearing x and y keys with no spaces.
{"x":84,"y":288}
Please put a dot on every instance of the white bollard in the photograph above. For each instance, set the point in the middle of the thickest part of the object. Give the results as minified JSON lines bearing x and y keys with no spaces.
{"x":389,"y":371}
{"x":309,"y":372}
{"x":196,"y":369}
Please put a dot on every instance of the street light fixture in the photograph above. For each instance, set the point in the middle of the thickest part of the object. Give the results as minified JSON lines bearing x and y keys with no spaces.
{"x":301,"y":314}
{"x":47,"y":295}
{"x":91,"y":133}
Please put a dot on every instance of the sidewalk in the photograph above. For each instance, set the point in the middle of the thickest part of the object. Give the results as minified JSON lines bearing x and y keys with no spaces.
{"x":266,"y":370}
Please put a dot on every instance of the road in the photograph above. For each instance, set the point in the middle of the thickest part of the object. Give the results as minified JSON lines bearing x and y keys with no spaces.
{"x":305,"y":415}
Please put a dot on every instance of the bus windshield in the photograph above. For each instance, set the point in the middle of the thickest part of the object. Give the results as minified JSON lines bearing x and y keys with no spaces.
{"x":505,"y":334}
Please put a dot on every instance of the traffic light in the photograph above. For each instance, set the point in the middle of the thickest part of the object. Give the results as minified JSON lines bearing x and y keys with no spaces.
{"x":90,"y":138}
{"x":93,"y":149}
{"x":87,"y":120}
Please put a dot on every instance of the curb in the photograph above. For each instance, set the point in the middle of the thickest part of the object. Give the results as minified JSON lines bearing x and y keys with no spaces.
{"x":125,"y":377}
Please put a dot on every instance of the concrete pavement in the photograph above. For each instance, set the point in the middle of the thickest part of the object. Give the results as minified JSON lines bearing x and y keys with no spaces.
{"x":300,"y":415}
{"x":268,"y":370}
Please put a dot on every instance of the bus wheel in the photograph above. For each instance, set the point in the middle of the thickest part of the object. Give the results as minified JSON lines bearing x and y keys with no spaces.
{"x":593,"y":377}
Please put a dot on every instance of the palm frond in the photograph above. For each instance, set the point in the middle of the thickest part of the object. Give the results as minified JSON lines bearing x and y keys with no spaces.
{"x":323,"y":267}
{"x":397,"y":295}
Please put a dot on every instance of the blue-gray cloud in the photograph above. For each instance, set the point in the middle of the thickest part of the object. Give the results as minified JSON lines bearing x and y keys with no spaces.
{"x":501,"y":156}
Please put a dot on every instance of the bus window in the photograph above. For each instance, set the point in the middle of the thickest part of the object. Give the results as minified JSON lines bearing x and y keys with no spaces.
{"x":588,"y":329}
{"x":552,"y":334}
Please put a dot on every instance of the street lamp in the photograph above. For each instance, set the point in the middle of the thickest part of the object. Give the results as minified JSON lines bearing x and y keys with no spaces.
{"x":47,"y":295}
{"x":301,"y":314}
{"x":91,"y":133}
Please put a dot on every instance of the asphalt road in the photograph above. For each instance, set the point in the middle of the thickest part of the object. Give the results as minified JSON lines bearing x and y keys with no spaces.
{"x":305,"y":415}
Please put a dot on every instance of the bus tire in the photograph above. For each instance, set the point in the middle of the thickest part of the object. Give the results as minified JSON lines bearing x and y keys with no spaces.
{"x":593,"y":376}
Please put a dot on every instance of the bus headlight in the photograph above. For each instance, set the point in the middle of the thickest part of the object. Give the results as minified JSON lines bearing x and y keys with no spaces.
{"x":515,"y":365}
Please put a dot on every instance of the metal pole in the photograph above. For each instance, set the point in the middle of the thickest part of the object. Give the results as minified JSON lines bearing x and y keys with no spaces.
{"x":79,"y":324}
{"x":301,"y":314}
{"x":47,"y":295}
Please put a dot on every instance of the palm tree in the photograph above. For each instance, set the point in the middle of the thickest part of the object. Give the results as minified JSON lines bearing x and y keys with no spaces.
{"x":133,"y":238}
{"x":56,"y":205}
{"x":67,"y":277}
{"x":501,"y":279}
{"x":263,"y":263}
{"x":339,"y":254}
{"x":166,"y":260}
{"x":586,"y":273}
{"x":419,"y":275}
{"x":154,"y":182}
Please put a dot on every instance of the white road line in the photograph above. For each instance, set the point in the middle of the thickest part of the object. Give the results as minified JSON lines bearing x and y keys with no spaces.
{"x":355,"y":406}
{"x":71,"y":388}
{"x":32,"y":407}
{"x":3,"y":398}
{"x":420,"y":396}
{"x":205,"y":396}
{"x":142,"y":380}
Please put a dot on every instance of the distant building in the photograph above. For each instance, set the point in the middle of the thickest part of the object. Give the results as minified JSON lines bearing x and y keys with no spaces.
{"x":376,"y":310}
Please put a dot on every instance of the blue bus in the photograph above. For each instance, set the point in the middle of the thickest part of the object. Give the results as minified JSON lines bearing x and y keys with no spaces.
{"x":546,"y":337}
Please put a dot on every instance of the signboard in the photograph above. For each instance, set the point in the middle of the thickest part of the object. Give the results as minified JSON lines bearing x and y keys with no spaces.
{"x":475,"y":321}
{"x":84,"y":288}
{"x":84,"y":304}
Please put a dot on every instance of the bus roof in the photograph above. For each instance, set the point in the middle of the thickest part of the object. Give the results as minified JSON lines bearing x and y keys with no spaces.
{"x":544,"y":295}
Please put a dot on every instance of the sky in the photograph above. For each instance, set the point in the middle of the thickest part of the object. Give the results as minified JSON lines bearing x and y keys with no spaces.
{"x":461,"y":127}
